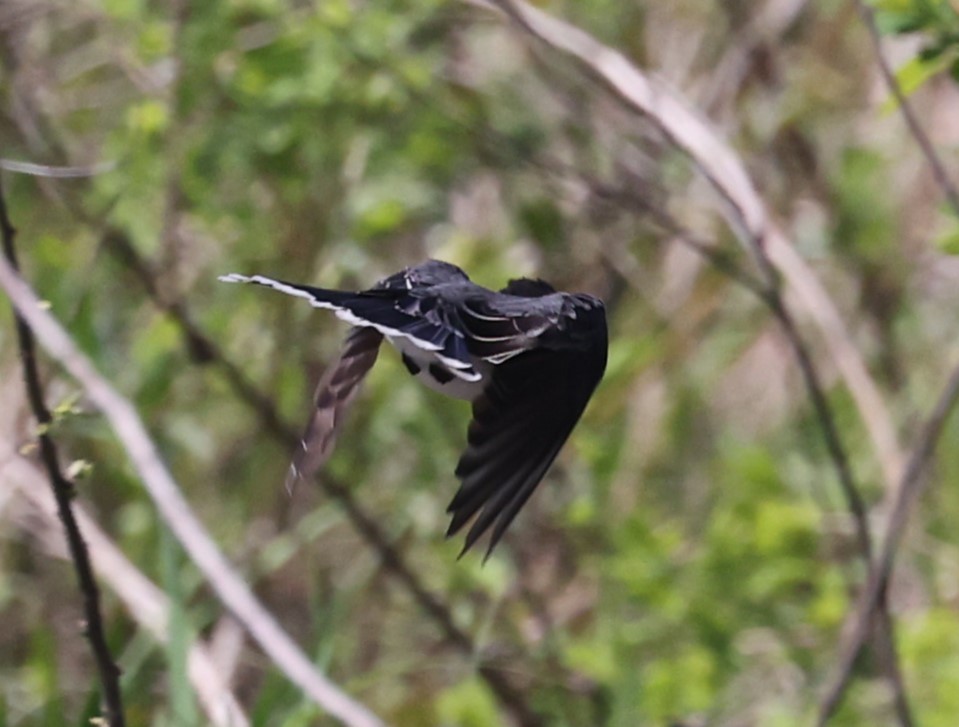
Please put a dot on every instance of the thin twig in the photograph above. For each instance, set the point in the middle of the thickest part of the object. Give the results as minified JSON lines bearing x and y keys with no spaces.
{"x":873,"y":594}
{"x":885,"y":635}
{"x":63,"y":492}
{"x":55,"y":172}
{"x":868,"y":15}
{"x":508,"y":695}
{"x":177,"y":514}
{"x":773,"y":300}
{"x":887,"y":646}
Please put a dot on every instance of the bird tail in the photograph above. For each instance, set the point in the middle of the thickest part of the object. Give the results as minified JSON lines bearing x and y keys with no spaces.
{"x":318,"y":297}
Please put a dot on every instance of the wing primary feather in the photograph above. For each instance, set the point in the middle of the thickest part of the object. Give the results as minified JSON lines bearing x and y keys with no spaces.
{"x":521,"y":422}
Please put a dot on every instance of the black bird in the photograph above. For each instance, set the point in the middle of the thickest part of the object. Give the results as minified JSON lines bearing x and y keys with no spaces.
{"x":527,"y":357}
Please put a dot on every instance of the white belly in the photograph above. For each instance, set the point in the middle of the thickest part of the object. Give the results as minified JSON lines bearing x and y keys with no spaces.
{"x":436,"y":375}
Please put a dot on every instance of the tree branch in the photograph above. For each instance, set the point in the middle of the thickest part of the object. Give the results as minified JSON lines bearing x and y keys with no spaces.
{"x":910,"y":486}
{"x":873,"y":595}
{"x":868,"y":15}
{"x":63,"y":493}
{"x":145,"y":603}
{"x":175,"y":510}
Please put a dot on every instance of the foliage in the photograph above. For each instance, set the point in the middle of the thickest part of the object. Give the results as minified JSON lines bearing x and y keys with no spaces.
{"x":689,"y":560}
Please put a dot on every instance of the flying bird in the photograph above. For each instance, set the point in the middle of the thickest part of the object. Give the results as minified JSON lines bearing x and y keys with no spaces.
{"x":527,"y":357}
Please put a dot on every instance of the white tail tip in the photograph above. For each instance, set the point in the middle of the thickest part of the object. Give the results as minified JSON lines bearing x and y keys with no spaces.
{"x":234,"y":278}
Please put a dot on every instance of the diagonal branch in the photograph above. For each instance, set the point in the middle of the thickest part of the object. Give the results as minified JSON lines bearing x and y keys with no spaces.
{"x":63,"y":493}
{"x":171,"y":504}
{"x":666,"y":109}
{"x":873,"y":594}
{"x":939,"y":172}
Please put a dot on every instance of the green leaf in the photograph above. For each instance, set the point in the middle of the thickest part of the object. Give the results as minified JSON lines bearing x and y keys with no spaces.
{"x":948,"y":242}
{"x":468,"y":704}
{"x":918,"y":71}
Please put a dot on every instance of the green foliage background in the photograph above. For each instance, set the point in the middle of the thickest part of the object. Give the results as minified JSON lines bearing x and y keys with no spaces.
{"x":689,"y":559}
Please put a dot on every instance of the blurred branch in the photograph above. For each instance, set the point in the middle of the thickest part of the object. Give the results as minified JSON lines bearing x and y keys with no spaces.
{"x":772,"y":252}
{"x":206,"y":349}
{"x":508,"y":695}
{"x":873,"y":595}
{"x":57,"y":172}
{"x":175,"y":510}
{"x":63,"y":493}
{"x":683,"y":127}
{"x":201,"y":347}
{"x":811,"y":378}
{"x":145,"y":603}
{"x":868,"y":15}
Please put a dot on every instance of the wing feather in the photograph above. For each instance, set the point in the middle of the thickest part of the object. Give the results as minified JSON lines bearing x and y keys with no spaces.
{"x":520,"y":423}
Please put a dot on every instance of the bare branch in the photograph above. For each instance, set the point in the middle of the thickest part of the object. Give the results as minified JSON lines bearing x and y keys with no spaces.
{"x":175,"y":510}
{"x":915,"y":128}
{"x":63,"y":493}
{"x":56,"y":172}
{"x":912,"y":482}
{"x":873,"y":594}
{"x":145,"y":603}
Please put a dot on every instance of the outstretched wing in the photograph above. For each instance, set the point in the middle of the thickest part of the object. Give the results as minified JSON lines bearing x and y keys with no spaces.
{"x":334,"y":394}
{"x":523,"y":418}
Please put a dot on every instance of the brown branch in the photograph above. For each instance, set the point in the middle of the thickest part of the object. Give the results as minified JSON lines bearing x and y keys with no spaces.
{"x":884,"y":628}
{"x":63,"y":493}
{"x":873,"y":595}
{"x":813,"y":384}
{"x":627,"y":199}
{"x":176,"y":511}
{"x":145,"y":602}
{"x":772,"y":299}
{"x":868,"y":15}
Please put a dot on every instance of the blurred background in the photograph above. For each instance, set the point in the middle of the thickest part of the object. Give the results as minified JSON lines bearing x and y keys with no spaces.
{"x":688,"y":560}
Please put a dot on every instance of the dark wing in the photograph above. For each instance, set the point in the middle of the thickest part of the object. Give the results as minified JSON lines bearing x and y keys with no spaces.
{"x":524,"y":417}
{"x":334,"y":394}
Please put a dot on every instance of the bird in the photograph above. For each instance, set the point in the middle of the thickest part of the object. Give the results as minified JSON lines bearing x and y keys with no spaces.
{"x":527,"y":358}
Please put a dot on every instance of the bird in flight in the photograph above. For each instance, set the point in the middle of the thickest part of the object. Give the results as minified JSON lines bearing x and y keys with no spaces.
{"x":527,"y":357}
